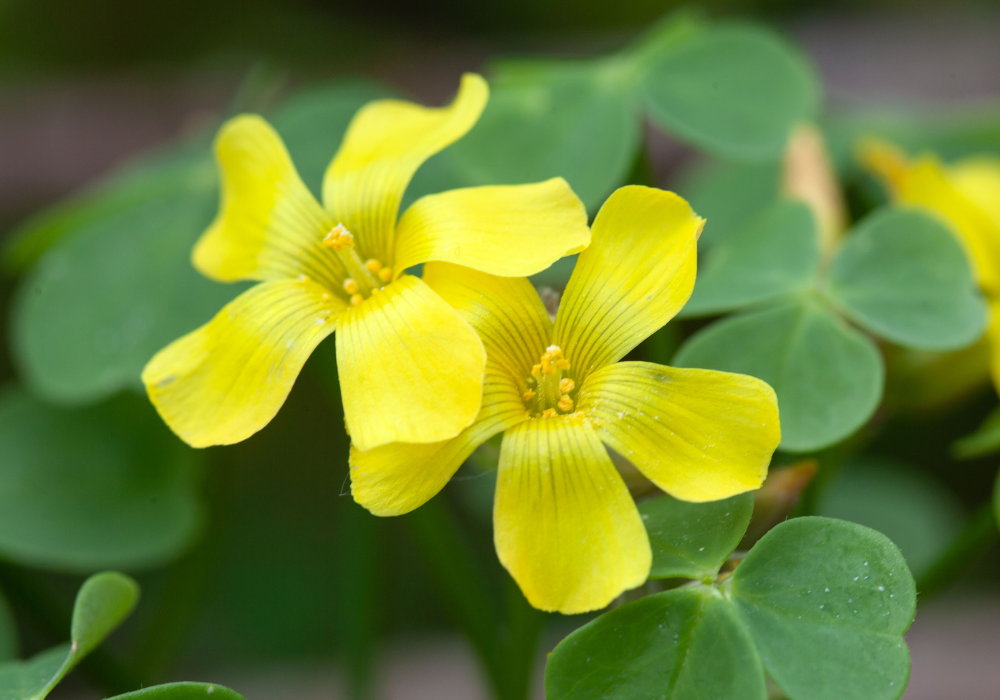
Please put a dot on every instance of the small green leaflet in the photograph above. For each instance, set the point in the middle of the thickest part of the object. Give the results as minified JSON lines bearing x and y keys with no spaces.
{"x":904,"y":276}
{"x":820,"y":604}
{"x":827,"y":603}
{"x":693,"y":540}
{"x":776,"y":253}
{"x":103,"y":602}
{"x":828,"y":376}
{"x":685,"y":644}
{"x":733,"y":89}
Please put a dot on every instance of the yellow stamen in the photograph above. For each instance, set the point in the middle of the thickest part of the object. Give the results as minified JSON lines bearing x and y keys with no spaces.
{"x":373,"y":266}
{"x":528,"y":395}
{"x":350,"y":286}
{"x":376,"y":291}
{"x":565,"y":403}
{"x":385,"y":274}
{"x":566,"y":386}
{"x":356,"y":299}
{"x":536,"y":370}
{"x":562,"y":364}
{"x":338,"y":238}
{"x":549,"y":413}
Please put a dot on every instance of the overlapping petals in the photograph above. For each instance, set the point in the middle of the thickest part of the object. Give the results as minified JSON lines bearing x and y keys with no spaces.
{"x":383,"y":147}
{"x":505,"y":231}
{"x":411,"y":369}
{"x":564,"y":524}
{"x":398,"y":478}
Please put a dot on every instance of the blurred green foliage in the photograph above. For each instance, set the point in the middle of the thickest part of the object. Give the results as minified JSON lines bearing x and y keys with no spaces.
{"x":258,"y":552}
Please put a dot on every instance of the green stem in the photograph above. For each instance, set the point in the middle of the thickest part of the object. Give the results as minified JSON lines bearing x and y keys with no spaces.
{"x":465,"y":589}
{"x":30,"y":592}
{"x":978,"y":533}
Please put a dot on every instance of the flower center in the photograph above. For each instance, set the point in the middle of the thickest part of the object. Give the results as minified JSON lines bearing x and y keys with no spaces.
{"x":364,"y":279}
{"x":549,"y":391}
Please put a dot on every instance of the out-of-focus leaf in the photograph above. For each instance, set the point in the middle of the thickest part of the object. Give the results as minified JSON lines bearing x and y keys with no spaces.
{"x":774,"y":254}
{"x":134,"y":185}
{"x":828,"y":377}
{"x":996,"y":500}
{"x":85,"y":489}
{"x":8,"y":631}
{"x":684,"y":644}
{"x":182,"y":691}
{"x":730,"y":195}
{"x":312,"y":123}
{"x":904,"y":276}
{"x":827,"y":603}
{"x":693,"y":540}
{"x":920,"y":380}
{"x":985,"y":440}
{"x":103,"y":602}
{"x":734,"y":89}
{"x":33,"y":679}
{"x":579,"y":121}
{"x":951,"y":133}
{"x":918,"y":514}
{"x":101,"y":302}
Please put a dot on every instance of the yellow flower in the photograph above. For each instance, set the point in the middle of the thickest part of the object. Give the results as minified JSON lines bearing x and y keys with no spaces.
{"x":565,"y":526}
{"x":411,"y":369}
{"x":965,"y":196}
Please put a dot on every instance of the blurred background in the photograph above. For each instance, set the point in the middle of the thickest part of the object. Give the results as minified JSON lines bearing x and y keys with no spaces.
{"x":86,"y":86}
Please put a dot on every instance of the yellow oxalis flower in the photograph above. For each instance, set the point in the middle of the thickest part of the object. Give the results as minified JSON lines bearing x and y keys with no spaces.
{"x":411,"y":368}
{"x":564,"y":523}
{"x":965,"y":196}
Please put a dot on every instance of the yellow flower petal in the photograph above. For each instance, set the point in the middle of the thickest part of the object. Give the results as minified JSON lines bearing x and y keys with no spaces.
{"x":564,"y":524}
{"x":506,"y":312}
{"x":400,"y":477}
{"x":511,"y":231}
{"x":269,"y":225}
{"x":636,"y":275}
{"x":225,"y":381}
{"x":411,"y":369}
{"x":700,"y":435}
{"x":385,"y":144}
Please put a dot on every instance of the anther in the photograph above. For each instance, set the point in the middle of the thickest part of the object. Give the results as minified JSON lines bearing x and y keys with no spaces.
{"x":566,"y":385}
{"x":350,"y":286}
{"x":562,"y":363}
{"x":385,"y":274}
{"x":356,"y":299}
{"x":376,"y":291}
{"x":373,"y":265}
{"x":528,"y":395}
{"x":549,"y":413}
{"x":536,"y":370}
{"x":338,"y":238}
{"x":565,"y":403}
